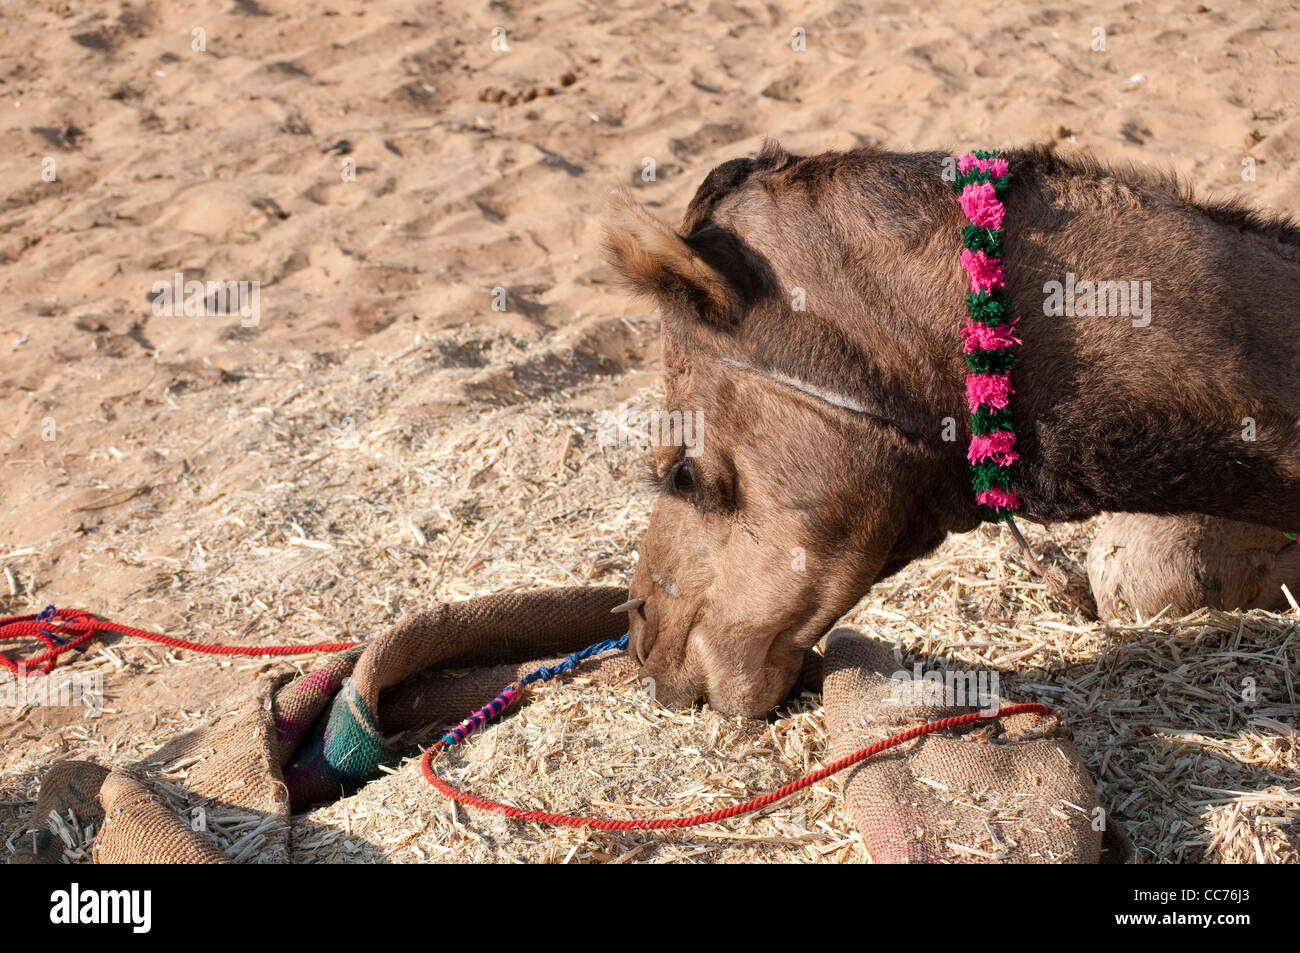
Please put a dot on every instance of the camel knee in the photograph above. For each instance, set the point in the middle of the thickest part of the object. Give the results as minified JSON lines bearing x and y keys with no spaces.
{"x":1140,"y":564}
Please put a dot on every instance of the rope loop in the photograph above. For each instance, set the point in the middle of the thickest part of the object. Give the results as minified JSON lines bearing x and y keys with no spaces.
{"x":80,"y":627}
{"x":66,"y":630}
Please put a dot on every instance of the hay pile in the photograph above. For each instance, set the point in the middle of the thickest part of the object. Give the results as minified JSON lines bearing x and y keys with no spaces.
{"x":609,"y":752}
{"x":1194,"y":771}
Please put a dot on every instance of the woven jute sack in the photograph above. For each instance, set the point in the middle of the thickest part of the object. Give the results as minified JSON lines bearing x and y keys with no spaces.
{"x":1011,"y":790}
{"x":501,"y":636}
{"x":289,"y":744}
{"x":135,"y":825}
{"x":69,"y":789}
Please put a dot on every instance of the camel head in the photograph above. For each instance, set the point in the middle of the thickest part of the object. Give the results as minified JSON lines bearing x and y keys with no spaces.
{"x":801,"y":455}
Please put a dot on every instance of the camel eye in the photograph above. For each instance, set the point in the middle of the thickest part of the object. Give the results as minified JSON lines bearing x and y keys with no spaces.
{"x":682,"y":478}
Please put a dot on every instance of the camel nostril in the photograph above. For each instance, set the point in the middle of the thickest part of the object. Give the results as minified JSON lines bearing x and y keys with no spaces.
{"x":640,"y":635}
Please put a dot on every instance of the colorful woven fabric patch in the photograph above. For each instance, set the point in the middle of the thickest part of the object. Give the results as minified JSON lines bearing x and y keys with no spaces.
{"x":343,"y":751}
{"x":989,"y":338}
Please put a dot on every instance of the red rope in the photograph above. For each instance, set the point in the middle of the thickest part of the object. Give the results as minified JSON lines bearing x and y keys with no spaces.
{"x":69,"y":629}
{"x":694,"y":820}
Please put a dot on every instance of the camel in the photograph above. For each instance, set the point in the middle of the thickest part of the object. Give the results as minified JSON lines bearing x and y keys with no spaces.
{"x":812,"y":308}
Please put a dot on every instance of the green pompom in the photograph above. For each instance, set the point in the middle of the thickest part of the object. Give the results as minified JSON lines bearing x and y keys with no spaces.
{"x":986,"y":420}
{"x":987,"y":240}
{"x":987,"y":474}
{"x":976,"y":175}
{"x":990,"y":362}
{"x":988,"y":308}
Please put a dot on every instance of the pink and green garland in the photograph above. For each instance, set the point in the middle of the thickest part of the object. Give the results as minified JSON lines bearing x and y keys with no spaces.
{"x":989,"y":344}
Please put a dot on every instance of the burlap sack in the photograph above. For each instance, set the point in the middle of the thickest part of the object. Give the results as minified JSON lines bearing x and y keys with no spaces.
{"x":140,"y":828}
{"x":319,"y":736}
{"x":445,"y":697}
{"x":135,"y":825}
{"x":345,"y":748}
{"x":71,"y":790}
{"x":1012,"y":790}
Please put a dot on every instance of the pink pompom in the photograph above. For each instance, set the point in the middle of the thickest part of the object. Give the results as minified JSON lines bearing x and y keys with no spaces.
{"x":998,"y":446}
{"x":997,"y":167}
{"x":985,"y":337}
{"x":992,"y":390}
{"x":982,"y":206}
{"x":985,"y":270}
{"x":998,"y":498}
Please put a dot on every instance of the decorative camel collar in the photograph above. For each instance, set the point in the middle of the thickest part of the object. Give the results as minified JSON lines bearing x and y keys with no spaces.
{"x":989,"y":349}
{"x":989,"y":345}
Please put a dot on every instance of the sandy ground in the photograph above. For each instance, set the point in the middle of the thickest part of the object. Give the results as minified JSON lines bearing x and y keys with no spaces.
{"x":382,"y":437}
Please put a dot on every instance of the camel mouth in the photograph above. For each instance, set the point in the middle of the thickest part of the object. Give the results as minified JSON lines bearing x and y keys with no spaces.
{"x":759,"y":703}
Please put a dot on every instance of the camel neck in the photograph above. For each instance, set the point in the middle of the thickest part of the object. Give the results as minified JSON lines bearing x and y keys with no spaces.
{"x":1192,"y":407}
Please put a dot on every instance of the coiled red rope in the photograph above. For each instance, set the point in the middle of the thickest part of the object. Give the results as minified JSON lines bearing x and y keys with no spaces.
{"x":722,"y":814}
{"x":63,"y":630}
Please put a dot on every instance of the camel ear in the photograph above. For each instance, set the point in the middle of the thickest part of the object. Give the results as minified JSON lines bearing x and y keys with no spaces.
{"x":658,"y":262}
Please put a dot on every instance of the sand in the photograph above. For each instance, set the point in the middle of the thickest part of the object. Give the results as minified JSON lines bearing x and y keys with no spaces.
{"x":382,"y":437}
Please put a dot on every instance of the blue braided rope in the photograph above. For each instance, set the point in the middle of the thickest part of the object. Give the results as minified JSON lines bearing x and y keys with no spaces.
{"x":548,"y":672}
{"x":507,"y":696}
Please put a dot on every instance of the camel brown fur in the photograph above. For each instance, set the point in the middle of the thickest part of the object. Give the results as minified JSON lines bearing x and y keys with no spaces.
{"x":1140,"y":565}
{"x":827,"y":458}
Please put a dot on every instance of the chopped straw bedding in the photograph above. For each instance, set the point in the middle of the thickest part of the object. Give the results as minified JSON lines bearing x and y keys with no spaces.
{"x":340,"y":522}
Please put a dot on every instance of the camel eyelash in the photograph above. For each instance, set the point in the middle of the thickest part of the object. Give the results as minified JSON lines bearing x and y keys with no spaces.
{"x":658,"y":482}
{"x":649,"y":476}
{"x":704,"y":496}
